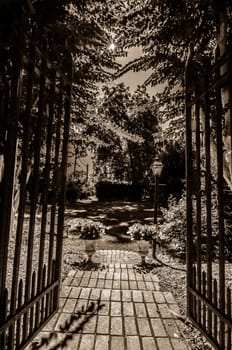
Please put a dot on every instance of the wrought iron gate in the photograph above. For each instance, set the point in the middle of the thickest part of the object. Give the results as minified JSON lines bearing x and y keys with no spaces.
{"x":208,"y":150}
{"x":34,"y":128}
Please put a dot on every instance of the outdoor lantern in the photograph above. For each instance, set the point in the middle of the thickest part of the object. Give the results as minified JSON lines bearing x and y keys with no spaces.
{"x":157,"y":167}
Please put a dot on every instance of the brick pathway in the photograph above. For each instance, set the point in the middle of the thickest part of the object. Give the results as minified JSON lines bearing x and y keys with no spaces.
{"x":136,"y":314}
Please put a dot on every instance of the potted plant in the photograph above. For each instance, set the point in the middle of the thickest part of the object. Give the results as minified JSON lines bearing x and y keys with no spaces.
{"x":144,"y":235}
{"x":90,"y":231}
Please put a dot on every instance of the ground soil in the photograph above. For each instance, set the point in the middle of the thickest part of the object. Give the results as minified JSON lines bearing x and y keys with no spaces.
{"x":118,"y":216}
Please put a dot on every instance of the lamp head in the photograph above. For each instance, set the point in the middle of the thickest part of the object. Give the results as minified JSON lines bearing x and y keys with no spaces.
{"x":157,"y":167}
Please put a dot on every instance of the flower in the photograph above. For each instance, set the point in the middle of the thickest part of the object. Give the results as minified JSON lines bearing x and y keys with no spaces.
{"x":142,"y":232}
{"x":89,"y":229}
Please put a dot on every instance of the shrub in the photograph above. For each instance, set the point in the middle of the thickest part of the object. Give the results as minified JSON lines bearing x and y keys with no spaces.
{"x":87,"y":229}
{"x":108,"y":191}
{"x":172,"y":232}
{"x":142,"y":232}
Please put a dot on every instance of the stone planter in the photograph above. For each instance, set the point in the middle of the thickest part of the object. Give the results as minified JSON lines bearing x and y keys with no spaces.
{"x":143,"y":249}
{"x":90,"y":248}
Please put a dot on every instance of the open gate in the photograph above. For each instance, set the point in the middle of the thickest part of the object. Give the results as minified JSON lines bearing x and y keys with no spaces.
{"x":208,"y":158}
{"x":34,"y":128}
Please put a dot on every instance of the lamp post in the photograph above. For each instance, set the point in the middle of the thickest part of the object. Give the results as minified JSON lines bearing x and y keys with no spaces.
{"x":156,"y":167}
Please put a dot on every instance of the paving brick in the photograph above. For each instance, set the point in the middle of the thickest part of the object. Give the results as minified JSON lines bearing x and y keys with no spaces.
{"x":152,"y":310}
{"x":137,"y":296}
{"x":140,"y":310}
{"x":71,"y":273}
{"x":139,"y":277}
{"x":116,"y":308}
{"x":105,"y":294}
{"x":164,"y":343}
{"x":124,"y":285}
{"x":159,"y":297}
{"x":141,"y":285}
{"x":169,"y":297}
{"x":171,"y":328}
{"x":133,"y":343}
{"x":130,"y":326}
{"x":69,"y":305}
{"x":158,"y":328}
{"x":81,"y":303}
{"x":102,"y":342}
{"x":103,"y":324}
{"x":117,"y":276}
{"x":75,"y":292}
{"x":62,"y":320}
{"x":102,"y":275}
{"x":116,"y":284}
{"x":149,"y":343}
{"x":144,"y":327}
{"x":87,"y":274}
{"x":124,"y":276}
{"x":62,"y":301}
{"x":87,"y":342}
{"x":117,"y":343}
{"x":131,"y":276}
{"x":156,"y":286}
{"x":100,"y":283}
{"x":147,"y":277}
{"x":84,"y":282}
{"x":109,"y":275}
{"x":105,"y":310}
{"x":92,"y":282}
{"x":174,"y":307}
{"x":150,"y":286}
{"x":126,"y":295}
{"x":164,"y":311}
{"x":116,"y":295}
{"x":148,"y":297}
{"x":94,"y":274}
{"x":178,"y":344}
{"x":108,"y":284}
{"x":51,"y":324}
{"x":79,"y":273}
{"x":154,"y":278}
{"x":116,"y":326}
{"x":95,"y":294}
{"x":133,"y":285}
{"x":67,"y":281}
{"x":65,"y":291}
{"x":90,"y":326}
{"x":128,"y":308}
{"x":85,"y":293}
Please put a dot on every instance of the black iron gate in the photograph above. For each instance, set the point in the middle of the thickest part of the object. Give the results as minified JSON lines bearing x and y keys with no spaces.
{"x":208,"y":149}
{"x":34,"y":128}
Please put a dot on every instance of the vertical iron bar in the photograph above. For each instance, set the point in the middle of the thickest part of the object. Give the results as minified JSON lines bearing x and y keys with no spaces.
{"x":198,"y":199}
{"x":63,"y":168}
{"x":45,"y":182}
{"x":188,"y":155}
{"x":55,"y":184}
{"x":10,"y":157}
{"x":208,"y":190}
{"x":221,"y":237}
{"x":23,"y":177}
{"x":229,"y":314}
{"x":19,"y":322}
{"x":35,"y":189}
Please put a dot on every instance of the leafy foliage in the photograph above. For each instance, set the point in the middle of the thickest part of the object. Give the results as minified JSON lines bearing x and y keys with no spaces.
{"x":142,"y":232}
{"x":87,"y":228}
{"x":172,"y":232}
